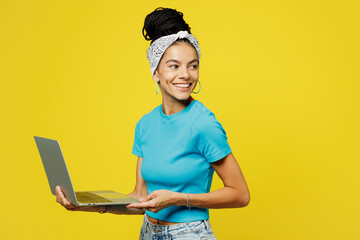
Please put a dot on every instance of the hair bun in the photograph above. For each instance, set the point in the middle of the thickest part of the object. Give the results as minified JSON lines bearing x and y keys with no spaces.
{"x":162,"y":22}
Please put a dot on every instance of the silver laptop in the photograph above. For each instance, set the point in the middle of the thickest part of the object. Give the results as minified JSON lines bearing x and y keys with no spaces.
{"x":57,"y":174}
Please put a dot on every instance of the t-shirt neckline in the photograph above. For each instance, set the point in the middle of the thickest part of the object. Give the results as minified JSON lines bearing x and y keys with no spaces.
{"x":173,"y":117}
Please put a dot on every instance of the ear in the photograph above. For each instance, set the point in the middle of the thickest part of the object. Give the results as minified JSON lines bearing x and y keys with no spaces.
{"x":155,"y":76}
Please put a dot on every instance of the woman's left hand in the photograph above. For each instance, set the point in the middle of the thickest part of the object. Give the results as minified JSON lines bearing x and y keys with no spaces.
{"x":156,"y":201}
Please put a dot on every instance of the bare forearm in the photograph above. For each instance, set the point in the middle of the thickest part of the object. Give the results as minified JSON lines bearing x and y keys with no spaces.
{"x":234,"y":194}
{"x":226,"y":197}
{"x":115,"y":209}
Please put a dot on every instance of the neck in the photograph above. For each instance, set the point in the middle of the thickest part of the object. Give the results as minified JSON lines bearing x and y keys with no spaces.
{"x":175,"y":106}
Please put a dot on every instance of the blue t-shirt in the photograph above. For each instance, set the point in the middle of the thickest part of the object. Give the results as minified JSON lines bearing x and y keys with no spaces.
{"x":177,"y":151}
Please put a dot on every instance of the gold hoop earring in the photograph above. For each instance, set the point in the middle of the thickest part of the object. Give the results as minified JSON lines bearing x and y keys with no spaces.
{"x":157,"y":86}
{"x":199,"y":88}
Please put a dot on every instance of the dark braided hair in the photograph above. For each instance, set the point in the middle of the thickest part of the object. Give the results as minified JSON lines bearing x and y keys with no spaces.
{"x":162,"y":22}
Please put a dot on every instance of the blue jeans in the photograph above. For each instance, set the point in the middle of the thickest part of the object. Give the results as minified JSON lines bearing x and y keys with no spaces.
{"x":200,"y":230}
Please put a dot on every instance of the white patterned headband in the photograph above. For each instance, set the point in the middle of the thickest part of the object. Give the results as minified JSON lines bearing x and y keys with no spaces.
{"x":159,"y":46}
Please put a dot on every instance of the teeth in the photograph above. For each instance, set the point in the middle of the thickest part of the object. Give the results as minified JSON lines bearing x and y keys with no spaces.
{"x":182,"y":85}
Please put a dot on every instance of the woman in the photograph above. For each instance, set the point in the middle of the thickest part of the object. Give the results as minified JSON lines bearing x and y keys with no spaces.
{"x":179,"y":144}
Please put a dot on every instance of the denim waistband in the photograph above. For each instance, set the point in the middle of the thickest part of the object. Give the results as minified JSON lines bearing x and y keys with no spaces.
{"x":165,"y":229}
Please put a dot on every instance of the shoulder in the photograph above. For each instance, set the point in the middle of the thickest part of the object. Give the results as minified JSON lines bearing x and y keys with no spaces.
{"x":205,"y":119}
{"x":149,"y":116}
{"x":201,"y":108}
{"x":147,"y":119}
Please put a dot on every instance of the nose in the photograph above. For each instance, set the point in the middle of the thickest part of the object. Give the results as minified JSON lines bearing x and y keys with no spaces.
{"x":184,"y":73}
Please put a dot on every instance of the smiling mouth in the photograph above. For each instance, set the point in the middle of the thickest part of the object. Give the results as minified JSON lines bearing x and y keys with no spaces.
{"x":182,"y":86}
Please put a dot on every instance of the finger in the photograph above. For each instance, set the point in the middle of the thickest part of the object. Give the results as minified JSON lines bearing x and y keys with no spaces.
{"x":154,"y":210}
{"x":140,"y":205}
{"x":58,"y":194}
{"x":135,"y":205}
{"x":67,"y":202}
{"x":58,"y":199}
{"x":69,"y":206}
{"x":147,"y":198}
{"x":57,"y":191}
{"x":61,"y":198}
{"x":61,"y":194}
{"x":143,"y":199}
{"x":151,"y":196}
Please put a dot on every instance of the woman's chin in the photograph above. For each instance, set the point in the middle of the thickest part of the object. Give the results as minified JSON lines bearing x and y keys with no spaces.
{"x":184,"y":98}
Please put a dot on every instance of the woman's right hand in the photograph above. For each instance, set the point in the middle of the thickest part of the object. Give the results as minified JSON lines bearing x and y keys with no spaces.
{"x":118,"y":209}
{"x":61,"y":198}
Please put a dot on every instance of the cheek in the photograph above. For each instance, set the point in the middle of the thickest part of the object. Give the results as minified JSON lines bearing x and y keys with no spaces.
{"x":195,"y":74}
{"x":168,"y":76}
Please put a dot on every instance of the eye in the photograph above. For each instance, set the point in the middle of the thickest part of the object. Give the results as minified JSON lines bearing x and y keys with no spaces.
{"x":194,"y":66}
{"x":173,"y":66}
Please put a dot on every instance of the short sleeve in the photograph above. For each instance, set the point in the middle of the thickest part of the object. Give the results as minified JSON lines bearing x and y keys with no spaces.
{"x":136,"y":150}
{"x":211,"y":139}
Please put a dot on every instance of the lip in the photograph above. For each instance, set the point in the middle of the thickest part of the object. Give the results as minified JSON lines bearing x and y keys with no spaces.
{"x":182,"y":89}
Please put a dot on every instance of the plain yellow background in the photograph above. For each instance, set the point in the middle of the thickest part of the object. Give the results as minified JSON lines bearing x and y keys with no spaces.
{"x":281,"y":76}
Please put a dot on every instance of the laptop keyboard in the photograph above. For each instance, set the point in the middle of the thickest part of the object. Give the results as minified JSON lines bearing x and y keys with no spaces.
{"x":86,"y":197}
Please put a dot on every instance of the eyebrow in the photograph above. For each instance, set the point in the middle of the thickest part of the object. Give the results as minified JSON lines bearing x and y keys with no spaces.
{"x":174,"y":60}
